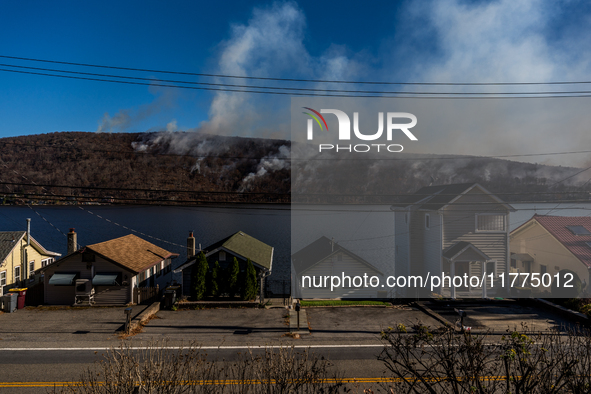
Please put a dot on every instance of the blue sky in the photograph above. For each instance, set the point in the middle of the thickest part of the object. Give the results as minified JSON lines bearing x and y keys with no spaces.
{"x":436,"y":41}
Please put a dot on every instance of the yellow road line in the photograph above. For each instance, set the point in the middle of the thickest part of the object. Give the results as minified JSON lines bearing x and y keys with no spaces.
{"x":234,"y":382}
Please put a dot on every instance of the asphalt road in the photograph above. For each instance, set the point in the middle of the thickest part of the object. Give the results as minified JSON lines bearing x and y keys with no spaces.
{"x":39,"y":346}
{"x":35,"y":371}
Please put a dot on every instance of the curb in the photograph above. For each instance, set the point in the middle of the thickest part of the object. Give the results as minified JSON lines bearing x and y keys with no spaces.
{"x":144,"y":315}
{"x":434,"y":315}
{"x":565,"y":312}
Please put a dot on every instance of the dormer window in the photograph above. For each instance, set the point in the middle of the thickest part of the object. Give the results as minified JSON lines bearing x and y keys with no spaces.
{"x":578,"y":230}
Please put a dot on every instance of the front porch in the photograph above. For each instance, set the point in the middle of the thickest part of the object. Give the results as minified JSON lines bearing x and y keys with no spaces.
{"x":467,"y":273}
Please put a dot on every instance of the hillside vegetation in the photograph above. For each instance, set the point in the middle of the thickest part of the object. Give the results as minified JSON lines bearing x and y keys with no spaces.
{"x":190,"y":168}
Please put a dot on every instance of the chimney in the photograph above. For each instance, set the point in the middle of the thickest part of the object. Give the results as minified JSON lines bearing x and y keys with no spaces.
{"x":72,"y":241}
{"x":28,"y":231}
{"x":190,"y":245}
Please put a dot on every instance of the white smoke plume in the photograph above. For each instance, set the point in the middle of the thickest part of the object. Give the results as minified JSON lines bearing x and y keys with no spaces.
{"x":127,"y":119}
{"x":504,"y":40}
{"x":269,"y":163}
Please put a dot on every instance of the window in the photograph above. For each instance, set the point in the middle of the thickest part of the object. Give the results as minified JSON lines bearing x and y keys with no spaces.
{"x":2,"y":280}
{"x":427,"y":221}
{"x":513,"y":263}
{"x":543,"y":269}
{"x":222,"y":256}
{"x":158,"y":269}
{"x":491,"y":267}
{"x":490,"y":222}
{"x":46,"y":262}
{"x":17,"y":274}
{"x":31,"y":271}
{"x":578,"y":230}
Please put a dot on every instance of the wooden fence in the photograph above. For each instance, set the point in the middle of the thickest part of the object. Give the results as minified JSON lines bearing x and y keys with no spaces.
{"x":146,"y":295}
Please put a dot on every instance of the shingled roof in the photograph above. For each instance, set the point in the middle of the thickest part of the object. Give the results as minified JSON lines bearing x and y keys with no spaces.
{"x":131,"y":252}
{"x":578,"y":245}
{"x":320,"y":250}
{"x":436,"y":197}
{"x":9,"y":239}
{"x":240,"y":244}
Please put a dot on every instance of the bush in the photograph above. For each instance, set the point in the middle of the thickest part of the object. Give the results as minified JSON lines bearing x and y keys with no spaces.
{"x":445,"y":361}
{"x":232,"y":272}
{"x":567,"y":292}
{"x":159,"y":369}
{"x":198,"y":274}
{"x":213,"y":288}
{"x":249,"y":288}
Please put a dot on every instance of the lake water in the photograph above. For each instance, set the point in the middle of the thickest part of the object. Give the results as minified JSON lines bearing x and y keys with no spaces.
{"x":373,"y":225}
{"x":169,"y":226}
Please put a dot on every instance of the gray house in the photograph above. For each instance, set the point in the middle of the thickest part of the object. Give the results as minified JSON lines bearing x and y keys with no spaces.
{"x":452,"y":230}
{"x":325,"y":258}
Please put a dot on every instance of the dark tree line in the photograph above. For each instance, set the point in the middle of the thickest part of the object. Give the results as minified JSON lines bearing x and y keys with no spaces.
{"x":209,"y":280}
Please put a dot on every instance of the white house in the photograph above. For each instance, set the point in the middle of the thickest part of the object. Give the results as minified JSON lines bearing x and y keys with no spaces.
{"x":452,"y":229}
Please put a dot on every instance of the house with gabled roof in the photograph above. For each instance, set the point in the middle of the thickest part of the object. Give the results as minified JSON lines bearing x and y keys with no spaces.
{"x":114,"y":268}
{"x":21,"y":257}
{"x":326,"y":258}
{"x":455,"y":230}
{"x":549,"y":245}
{"x":240,"y":246}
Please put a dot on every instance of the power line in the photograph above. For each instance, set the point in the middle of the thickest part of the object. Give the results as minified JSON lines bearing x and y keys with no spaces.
{"x":297,"y":79}
{"x":45,"y":186}
{"x":131,"y":229}
{"x":405,"y":95}
{"x":277,"y":88}
{"x":270,"y":156}
{"x":60,"y":197}
{"x":115,"y":223}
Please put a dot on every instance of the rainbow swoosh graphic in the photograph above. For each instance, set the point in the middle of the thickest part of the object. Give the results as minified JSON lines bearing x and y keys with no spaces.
{"x":315,"y":118}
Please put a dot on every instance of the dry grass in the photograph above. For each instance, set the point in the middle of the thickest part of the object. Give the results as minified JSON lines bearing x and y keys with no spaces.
{"x":158,"y":369}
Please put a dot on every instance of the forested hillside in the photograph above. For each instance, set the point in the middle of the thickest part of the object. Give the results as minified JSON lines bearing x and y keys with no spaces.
{"x":189,"y":168}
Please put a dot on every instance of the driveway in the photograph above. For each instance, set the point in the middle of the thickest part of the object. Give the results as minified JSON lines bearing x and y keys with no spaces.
{"x":359,"y":325}
{"x":62,"y":326}
{"x":498,"y":317}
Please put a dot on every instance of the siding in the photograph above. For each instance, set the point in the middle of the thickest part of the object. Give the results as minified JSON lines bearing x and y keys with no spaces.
{"x":546,"y":250}
{"x":432,"y":247}
{"x":21,"y":255}
{"x":460,"y":225}
{"x":64,"y":295}
{"x":349,"y":267}
{"x":401,"y":239}
{"x":417,"y":234}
